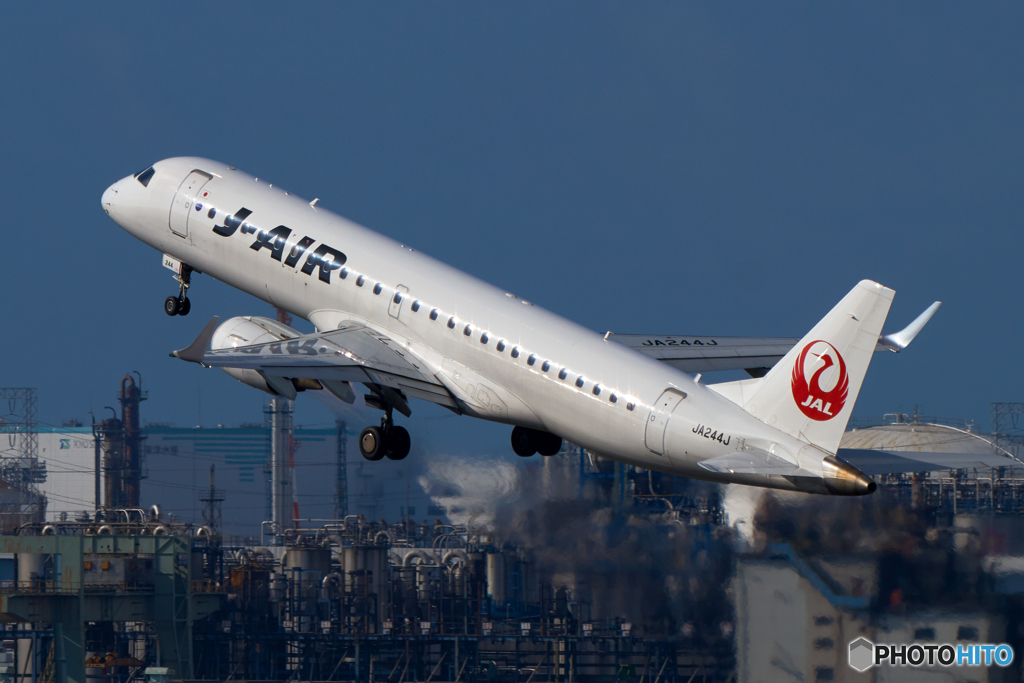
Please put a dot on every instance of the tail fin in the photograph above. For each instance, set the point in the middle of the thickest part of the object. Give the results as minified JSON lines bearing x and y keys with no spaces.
{"x":810,"y":393}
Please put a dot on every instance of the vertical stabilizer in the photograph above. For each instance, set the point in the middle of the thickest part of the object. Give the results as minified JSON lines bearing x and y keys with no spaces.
{"x":810,"y":393}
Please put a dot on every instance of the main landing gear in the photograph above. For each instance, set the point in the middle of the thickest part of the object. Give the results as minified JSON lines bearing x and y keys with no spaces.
{"x":526,"y":442}
{"x":389,"y":440}
{"x":180,"y":305}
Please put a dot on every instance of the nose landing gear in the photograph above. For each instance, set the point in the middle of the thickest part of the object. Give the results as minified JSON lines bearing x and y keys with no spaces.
{"x":389,"y":440}
{"x":180,"y":305}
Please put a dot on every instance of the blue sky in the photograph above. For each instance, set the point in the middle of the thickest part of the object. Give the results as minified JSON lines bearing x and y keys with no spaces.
{"x":639,"y":167}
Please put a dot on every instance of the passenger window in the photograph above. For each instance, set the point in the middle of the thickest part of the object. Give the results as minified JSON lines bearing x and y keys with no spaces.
{"x":343,"y":273}
{"x":532,"y":359}
{"x":613,"y":398}
{"x":360,"y":280}
{"x":562,"y":374}
{"x":468,"y":331}
{"x":484,"y":338}
{"x":451,"y":323}
{"x":398,"y":297}
{"x":415,"y":306}
{"x":630,"y":406}
{"x":546,"y":366}
{"x":377,"y":288}
{"x":515,"y":352}
{"x":501,"y":345}
{"x":597,"y":390}
{"x":146,"y":176}
{"x":579,"y":382}
{"x":433,"y":314}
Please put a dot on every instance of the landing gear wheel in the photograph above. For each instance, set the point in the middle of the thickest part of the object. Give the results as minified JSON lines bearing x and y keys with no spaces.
{"x":371,"y":443}
{"x":522,"y":442}
{"x":398,"y":442}
{"x":547,"y":443}
{"x":180,"y":305}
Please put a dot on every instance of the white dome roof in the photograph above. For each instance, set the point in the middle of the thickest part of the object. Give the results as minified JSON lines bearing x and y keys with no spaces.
{"x":923,"y":438}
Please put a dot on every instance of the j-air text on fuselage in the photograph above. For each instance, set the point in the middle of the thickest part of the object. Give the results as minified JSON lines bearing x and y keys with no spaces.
{"x":407,"y":326}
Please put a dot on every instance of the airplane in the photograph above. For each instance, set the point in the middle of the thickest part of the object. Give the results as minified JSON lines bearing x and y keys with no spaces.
{"x":407,"y":326}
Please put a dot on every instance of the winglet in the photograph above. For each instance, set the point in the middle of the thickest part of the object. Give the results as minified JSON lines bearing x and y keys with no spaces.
{"x":897,"y":341}
{"x":197,"y":349}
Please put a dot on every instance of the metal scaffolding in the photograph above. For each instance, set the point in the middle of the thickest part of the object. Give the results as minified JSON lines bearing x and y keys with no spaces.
{"x":20,"y":468}
{"x":1008,"y":426}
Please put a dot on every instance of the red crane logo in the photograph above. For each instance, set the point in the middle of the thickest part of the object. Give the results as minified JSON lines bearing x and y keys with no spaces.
{"x":828,"y":368}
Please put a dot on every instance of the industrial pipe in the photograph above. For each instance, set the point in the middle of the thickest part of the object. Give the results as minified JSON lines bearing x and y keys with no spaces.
{"x":457,"y":553}
{"x":422,"y":555}
{"x":333,"y":577}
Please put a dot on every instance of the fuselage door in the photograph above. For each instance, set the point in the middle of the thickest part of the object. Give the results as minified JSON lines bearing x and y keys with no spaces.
{"x":185,"y":200}
{"x":657,"y":422}
{"x":401,"y":294}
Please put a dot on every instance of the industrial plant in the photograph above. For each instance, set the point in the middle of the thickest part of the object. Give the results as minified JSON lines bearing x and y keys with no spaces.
{"x":266,"y":553}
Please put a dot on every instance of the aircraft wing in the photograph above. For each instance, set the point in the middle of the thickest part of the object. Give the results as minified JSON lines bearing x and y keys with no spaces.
{"x":756,"y":355}
{"x":352,"y":353}
{"x":872,"y":462}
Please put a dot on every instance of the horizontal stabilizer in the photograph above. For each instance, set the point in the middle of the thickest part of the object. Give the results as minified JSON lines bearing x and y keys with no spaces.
{"x":756,"y":355}
{"x":750,"y":461}
{"x":872,"y":462}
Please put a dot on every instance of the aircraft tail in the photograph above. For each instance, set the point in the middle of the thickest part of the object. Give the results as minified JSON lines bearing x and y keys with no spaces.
{"x":810,"y":393}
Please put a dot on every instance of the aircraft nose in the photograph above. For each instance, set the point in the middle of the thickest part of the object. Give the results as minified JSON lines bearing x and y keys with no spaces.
{"x":109,"y":198}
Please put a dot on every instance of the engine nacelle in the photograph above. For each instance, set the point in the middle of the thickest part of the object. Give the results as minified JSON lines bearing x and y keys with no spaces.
{"x":249,"y":330}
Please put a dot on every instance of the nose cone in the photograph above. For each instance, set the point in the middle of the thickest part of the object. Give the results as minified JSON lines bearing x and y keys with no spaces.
{"x":843,"y":479}
{"x":109,"y":198}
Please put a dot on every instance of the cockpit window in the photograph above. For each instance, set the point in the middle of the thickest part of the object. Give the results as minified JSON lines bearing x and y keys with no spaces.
{"x":145,"y":176}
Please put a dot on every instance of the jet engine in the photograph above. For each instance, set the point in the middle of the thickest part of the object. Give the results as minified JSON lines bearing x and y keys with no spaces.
{"x":249,"y":330}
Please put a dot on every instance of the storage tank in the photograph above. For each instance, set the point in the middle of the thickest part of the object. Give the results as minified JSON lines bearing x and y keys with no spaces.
{"x":496,"y":578}
{"x":369,"y":558}
{"x":308,"y":559}
{"x":365,"y":570}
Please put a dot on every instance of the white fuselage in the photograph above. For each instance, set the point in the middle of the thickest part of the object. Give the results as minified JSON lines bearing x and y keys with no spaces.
{"x":615,"y":413}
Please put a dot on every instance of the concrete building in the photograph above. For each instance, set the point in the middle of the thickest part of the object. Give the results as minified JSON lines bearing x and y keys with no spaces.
{"x":795,"y":621}
{"x":176,"y":474}
{"x":822,"y":611}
